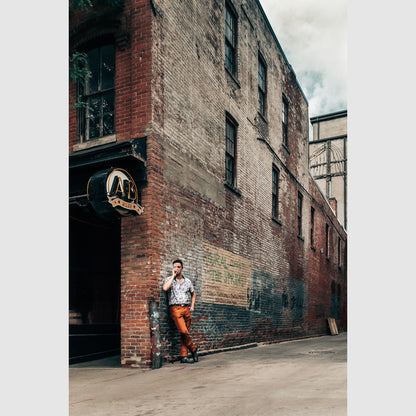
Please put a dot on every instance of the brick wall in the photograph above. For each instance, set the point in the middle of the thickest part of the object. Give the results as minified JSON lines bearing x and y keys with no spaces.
{"x":288,"y":289}
{"x":140,"y":236}
{"x":133,"y":74}
{"x":328,"y":128}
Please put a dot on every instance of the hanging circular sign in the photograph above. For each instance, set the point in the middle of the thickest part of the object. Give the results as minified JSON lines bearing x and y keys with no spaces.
{"x":113,"y":192}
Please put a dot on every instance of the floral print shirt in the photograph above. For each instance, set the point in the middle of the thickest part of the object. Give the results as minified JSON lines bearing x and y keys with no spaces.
{"x":179,"y":292}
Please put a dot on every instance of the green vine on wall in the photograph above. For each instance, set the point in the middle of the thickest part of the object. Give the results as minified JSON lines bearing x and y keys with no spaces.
{"x":78,"y":70}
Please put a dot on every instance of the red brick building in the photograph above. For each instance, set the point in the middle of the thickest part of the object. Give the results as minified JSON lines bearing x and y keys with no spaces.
{"x":193,"y":144}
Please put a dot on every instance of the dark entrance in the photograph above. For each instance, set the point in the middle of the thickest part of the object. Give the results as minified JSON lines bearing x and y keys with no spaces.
{"x":94,"y":289}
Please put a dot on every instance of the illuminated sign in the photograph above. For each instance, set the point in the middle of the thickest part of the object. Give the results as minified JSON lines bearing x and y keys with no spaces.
{"x":113,"y":191}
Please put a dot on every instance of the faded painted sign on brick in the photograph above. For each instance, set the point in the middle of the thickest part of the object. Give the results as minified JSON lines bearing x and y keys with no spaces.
{"x":226,"y":277}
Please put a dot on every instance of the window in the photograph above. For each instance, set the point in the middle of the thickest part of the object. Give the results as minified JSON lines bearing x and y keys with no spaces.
{"x":300,"y":200}
{"x":327,"y":241}
{"x":230,"y":151}
{"x":285,"y":112}
{"x":285,"y":300}
{"x":338,"y":302}
{"x":96,"y":119}
{"x":312,"y":226}
{"x":262,"y":87}
{"x":275,"y":192}
{"x":339,"y":252}
{"x":230,"y":40}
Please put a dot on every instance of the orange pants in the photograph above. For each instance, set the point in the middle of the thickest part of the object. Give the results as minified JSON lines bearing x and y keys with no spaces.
{"x":181,"y":315}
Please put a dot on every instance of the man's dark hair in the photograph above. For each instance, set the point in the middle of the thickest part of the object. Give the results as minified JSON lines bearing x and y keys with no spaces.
{"x":178,"y":261}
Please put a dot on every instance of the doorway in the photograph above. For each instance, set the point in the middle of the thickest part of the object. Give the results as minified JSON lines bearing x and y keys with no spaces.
{"x":94,"y":289}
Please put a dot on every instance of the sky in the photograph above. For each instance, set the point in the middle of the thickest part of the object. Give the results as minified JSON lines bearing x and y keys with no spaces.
{"x":313,"y":36}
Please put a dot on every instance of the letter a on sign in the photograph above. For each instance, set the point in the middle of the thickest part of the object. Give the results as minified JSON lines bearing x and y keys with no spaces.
{"x":113,"y":193}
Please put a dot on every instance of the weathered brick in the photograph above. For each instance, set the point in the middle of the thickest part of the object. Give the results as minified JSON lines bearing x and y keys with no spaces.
{"x":171,"y":86}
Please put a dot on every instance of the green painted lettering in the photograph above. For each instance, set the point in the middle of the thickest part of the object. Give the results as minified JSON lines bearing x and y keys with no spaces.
{"x":216,"y":276}
{"x":223,"y":262}
{"x":208,"y":257}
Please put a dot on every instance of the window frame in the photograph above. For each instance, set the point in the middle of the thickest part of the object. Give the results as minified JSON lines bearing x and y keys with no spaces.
{"x":230,"y":122}
{"x":262,"y":86}
{"x":339,"y":252}
{"x":327,"y":241}
{"x":285,"y":122}
{"x":275,"y":191}
{"x":300,"y":211}
{"x":86,"y":95}
{"x":230,"y":43}
{"x":312,"y":228}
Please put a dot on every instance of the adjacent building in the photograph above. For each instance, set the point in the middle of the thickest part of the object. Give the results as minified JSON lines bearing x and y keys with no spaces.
{"x":192,"y":143}
{"x":328,"y":159}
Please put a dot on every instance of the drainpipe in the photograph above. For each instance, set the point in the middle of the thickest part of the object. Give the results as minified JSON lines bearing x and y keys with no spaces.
{"x":155,"y":334}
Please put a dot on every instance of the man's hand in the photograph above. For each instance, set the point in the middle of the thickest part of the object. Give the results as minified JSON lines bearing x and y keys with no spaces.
{"x":169,"y":282}
{"x":193,"y":298}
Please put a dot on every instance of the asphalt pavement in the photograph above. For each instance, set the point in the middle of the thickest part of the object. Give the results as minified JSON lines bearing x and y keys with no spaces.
{"x":304,"y":377}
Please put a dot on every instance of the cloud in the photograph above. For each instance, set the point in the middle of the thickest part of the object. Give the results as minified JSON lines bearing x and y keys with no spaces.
{"x":313,"y":36}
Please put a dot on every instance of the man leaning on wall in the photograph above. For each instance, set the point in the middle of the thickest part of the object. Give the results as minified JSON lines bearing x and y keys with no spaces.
{"x":181,"y":296}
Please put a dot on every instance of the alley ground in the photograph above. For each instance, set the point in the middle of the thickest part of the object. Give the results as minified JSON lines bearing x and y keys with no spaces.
{"x":304,"y":377}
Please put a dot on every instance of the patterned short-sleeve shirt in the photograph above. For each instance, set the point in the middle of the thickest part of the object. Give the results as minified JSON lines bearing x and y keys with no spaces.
{"x":179,"y":292}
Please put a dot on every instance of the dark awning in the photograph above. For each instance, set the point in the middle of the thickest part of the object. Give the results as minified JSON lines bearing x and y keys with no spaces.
{"x":129,"y":155}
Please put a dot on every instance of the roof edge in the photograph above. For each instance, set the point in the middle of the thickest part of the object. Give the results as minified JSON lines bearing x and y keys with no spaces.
{"x":280,"y":48}
{"x":329,"y":116}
